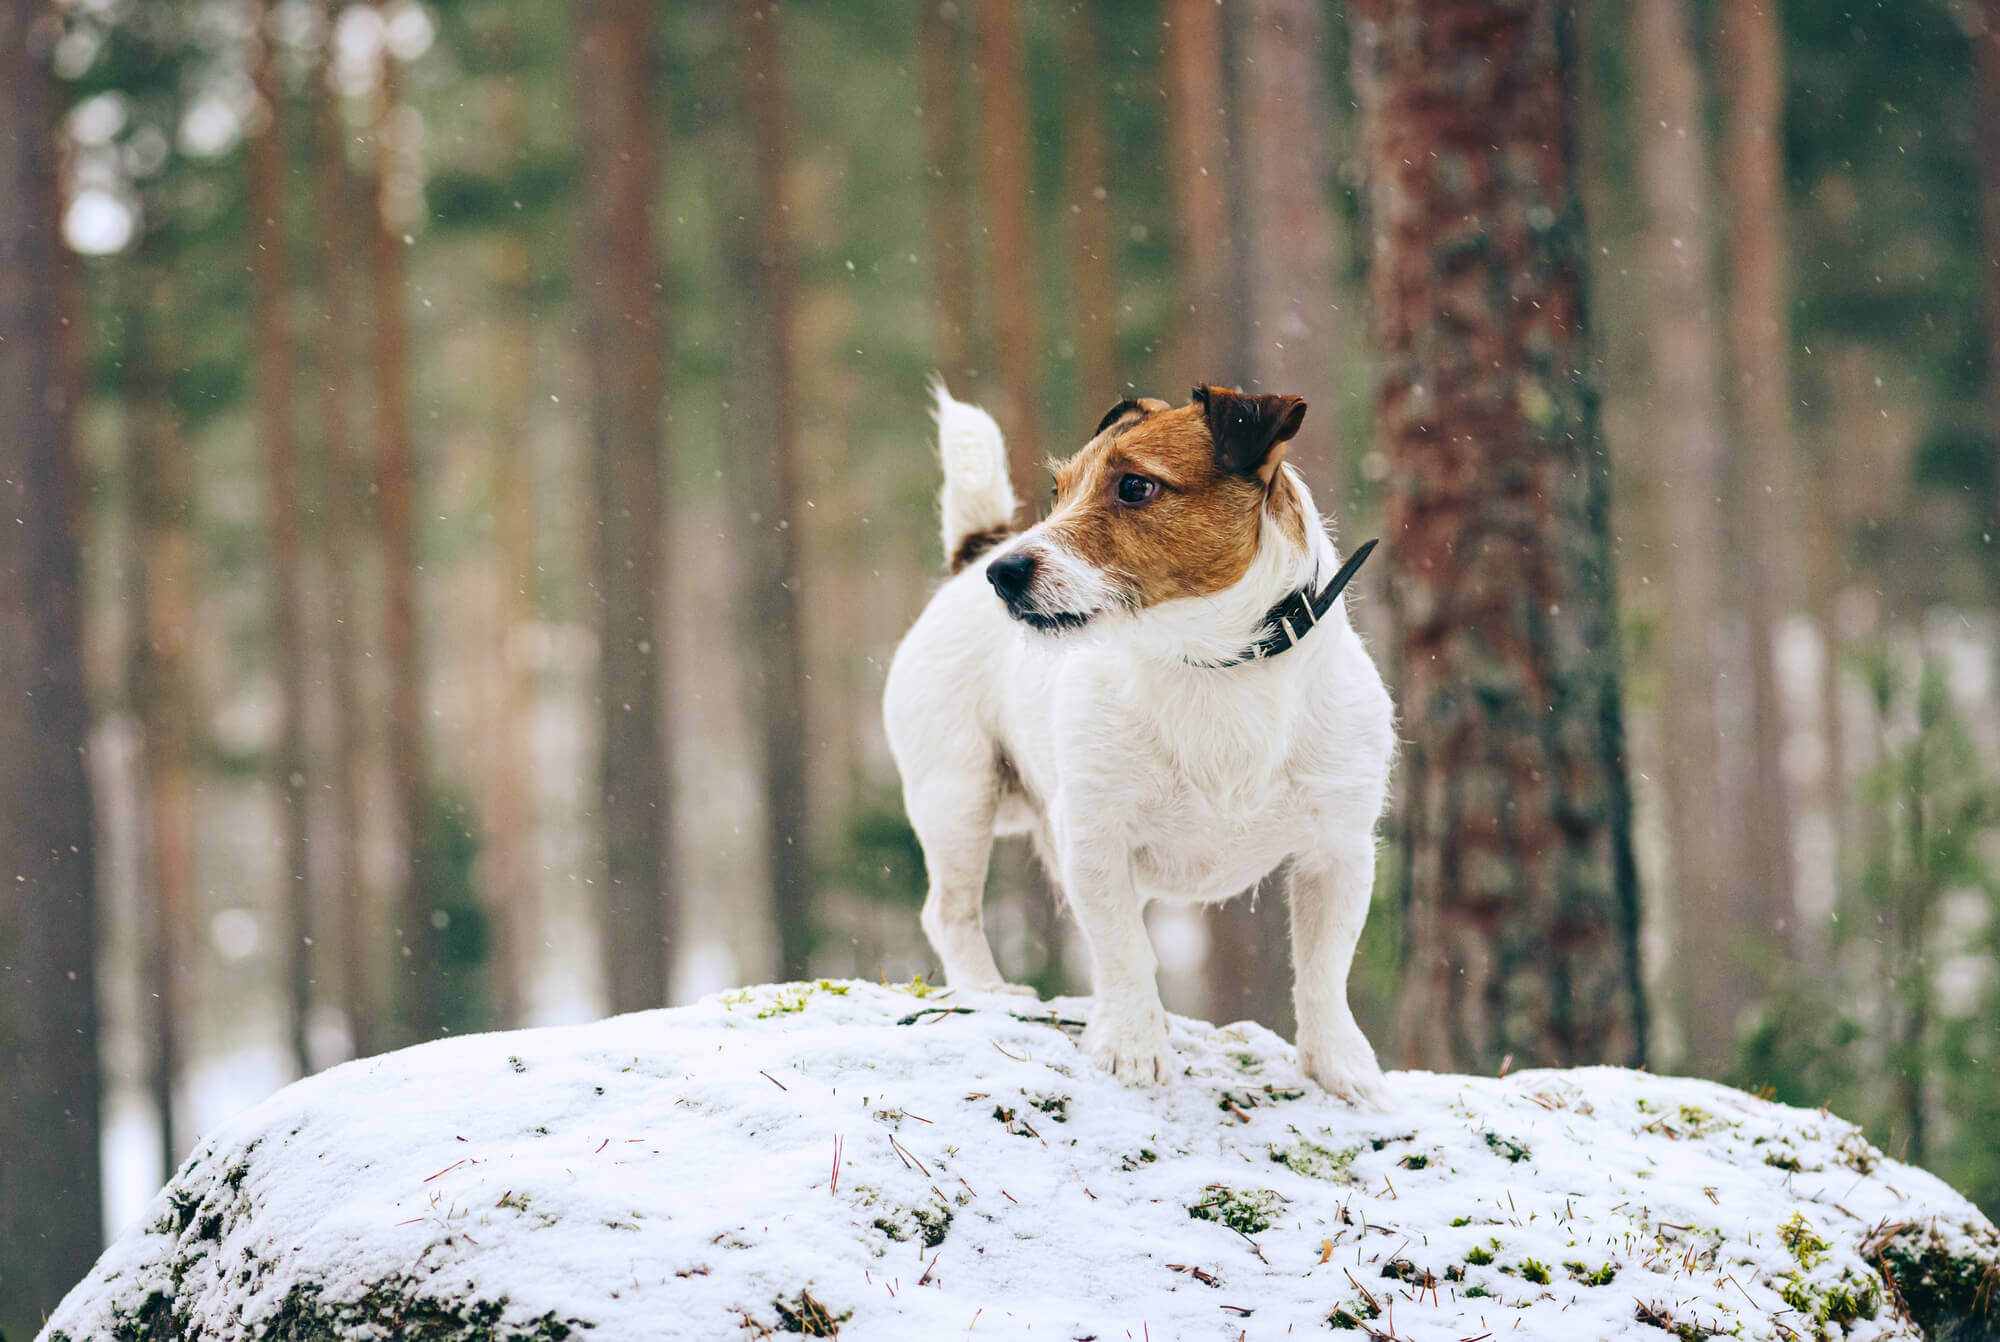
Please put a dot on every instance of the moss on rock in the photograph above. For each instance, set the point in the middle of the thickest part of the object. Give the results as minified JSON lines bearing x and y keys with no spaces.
{"x":1952,"y":1295}
{"x":396,"y":1309}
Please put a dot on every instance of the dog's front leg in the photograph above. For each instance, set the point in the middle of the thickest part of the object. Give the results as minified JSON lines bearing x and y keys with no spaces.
{"x":1127,"y":1033}
{"x":1329,"y":902}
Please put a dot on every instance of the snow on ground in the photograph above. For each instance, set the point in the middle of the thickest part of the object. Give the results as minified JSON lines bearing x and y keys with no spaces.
{"x":898,"y":1164}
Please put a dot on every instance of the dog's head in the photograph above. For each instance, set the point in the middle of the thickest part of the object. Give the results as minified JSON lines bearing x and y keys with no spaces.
{"x":1163,"y":502}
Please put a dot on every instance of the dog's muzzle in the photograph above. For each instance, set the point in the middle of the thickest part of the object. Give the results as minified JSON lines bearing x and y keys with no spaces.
{"x":1013,"y":578}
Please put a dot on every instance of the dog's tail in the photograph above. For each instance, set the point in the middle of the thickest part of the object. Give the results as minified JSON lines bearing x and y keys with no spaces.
{"x":978,"y":497}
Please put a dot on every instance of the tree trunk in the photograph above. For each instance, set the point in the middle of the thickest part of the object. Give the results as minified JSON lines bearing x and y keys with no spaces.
{"x":1009,"y":211}
{"x":1987,"y":57}
{"x":1767,"y":522}
{"x":772,"y":569}
{"x":510,"y":810}
{"x":264,"y":161}
{"x":1685,"y":408}
{"x":1197,"y":168}
{"x":50,"y":1223}
{"x":418,"y":1004}
{"x":948,"y":206}
{"x":341,"y":484}
{"x":1094,"y":273}
{"x":1292,"y":238}
{"x":163,"y":681}
{"x":1286,"y":248}
{"x":625,"y":349}
{"x":1523,"y":935}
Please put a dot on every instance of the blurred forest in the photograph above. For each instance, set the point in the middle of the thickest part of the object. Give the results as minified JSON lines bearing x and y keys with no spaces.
{"x":470,"y":465}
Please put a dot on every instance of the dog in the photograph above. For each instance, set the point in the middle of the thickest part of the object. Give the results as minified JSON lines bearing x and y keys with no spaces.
{"x":1159,"y":685}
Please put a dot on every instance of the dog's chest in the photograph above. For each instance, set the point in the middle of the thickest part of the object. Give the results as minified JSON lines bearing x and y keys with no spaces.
{"x":1217,"y":801}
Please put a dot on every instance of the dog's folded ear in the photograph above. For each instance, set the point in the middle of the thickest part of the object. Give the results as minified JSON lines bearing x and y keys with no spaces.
{"x":1117,"y":412}
{"x":1249,"y":432}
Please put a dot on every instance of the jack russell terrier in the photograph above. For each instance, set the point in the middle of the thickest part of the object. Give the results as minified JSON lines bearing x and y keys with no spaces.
{"x":1159,"y":685}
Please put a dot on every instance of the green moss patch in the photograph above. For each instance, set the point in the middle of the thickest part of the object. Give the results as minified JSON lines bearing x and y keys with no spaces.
{"x":1316,"y":1161}
{"x":1953,"y":1296}
{"x":397,"y":1309}
{"x":1589,"y":1276}
{"x":1802,"y":1241}
{"x":808,"y":1316}
{"x":1247,"y":1211}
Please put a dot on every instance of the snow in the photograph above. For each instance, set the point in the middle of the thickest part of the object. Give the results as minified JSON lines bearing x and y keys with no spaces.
{"x":671,"y":1174}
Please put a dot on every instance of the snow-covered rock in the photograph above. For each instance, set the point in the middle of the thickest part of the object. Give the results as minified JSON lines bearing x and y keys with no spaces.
{"x":895,"y":1164}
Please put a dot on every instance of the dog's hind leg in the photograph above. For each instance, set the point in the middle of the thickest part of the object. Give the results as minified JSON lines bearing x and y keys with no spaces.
{"x":1329,"y":902}
{"x":954,"y":823}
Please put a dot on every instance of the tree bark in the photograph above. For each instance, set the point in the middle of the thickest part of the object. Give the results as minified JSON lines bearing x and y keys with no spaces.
{"x":1197,"y":177}
{"x":1095,"y":251}
{"x":163,"y":484}
{"x":50,"y":1220}
{"x":418,"y":1004}
{"x":1523,"y":934}
{"x":342,"y":484}
{"x":1292,"y":237}
{"x":1287,"y":244}
{"x":1986,"y":56}
{"x":1767,"y":521}
{"x":625,"y":351}
{"x":772,"y":569}
{"x":948,"y":205}
{"x":264,"y":162}
{"x":510,"y":812}
{"x":1685,"y":410}
{"x":1009,"y":206}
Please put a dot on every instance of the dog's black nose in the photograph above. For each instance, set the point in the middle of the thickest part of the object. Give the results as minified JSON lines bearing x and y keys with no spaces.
{"x":1011,"y":574}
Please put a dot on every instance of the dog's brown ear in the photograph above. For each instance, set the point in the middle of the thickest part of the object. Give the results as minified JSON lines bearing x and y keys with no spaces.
{"x":1117,"y":412}
{"x":1249,"y":432}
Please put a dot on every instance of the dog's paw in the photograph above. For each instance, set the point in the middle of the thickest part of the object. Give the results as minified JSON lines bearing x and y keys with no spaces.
{"x":1136,"y":1054}
{"x":1348,"y":1070}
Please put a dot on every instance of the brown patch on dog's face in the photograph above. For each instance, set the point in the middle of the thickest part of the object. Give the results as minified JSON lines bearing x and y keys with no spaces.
{"x":1166,"y":502}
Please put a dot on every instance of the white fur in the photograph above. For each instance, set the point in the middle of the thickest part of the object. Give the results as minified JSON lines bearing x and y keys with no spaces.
{"x":977,"y":493}
{"x":1147,"y":778}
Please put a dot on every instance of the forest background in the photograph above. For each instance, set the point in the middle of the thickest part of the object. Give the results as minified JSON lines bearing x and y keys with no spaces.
{"x":477,"y":457}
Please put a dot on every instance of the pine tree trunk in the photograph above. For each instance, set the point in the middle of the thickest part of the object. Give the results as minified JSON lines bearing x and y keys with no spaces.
{"x":264,"y":161}
{"x":625,"y":350}
{"x":773,"y":569}
{"x":1197,"y":167}
{"x":341,"y":483}
{"x":163,"y":682}
{"x":1685,"y":412}
{"x":1293,"y":239}
{"x":1523,"y":935}
{"x":418,"y":1004}
{"x":1987,"y":58}
{"x":1009,"y":205}
{"x":1095,"y":252}
{"x":1286,"y":251}
{"x":1766,"y":526}
{"x":510,"y":810}
{"x":947,"y":200}
{"x":50,"y":1221}
{"x":511,"y":814}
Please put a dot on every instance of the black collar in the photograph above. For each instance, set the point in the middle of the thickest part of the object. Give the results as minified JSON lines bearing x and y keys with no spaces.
{"x":1295,"y":616}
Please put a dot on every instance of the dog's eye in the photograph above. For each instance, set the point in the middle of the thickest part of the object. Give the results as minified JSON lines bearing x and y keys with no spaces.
{"x":1137,"y":489}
